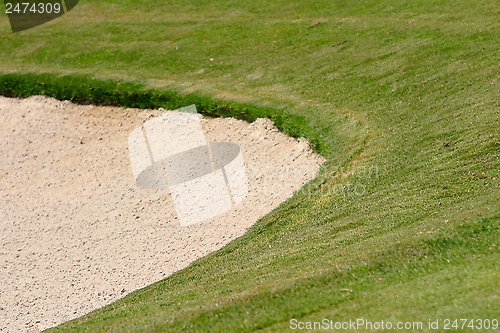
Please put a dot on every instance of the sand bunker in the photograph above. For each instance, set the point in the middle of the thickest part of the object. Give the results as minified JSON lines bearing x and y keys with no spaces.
{"x":77,"y":233}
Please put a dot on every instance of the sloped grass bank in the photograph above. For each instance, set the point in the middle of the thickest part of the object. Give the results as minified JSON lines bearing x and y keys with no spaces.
{"x":413,"y":278}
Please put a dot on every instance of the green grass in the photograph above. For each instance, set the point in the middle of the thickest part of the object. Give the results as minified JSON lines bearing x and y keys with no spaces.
{"x":84,"y":90}
{"x":402,"y":224}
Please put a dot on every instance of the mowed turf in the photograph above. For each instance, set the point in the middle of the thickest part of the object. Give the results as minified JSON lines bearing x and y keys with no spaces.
{"x":402,"y":224}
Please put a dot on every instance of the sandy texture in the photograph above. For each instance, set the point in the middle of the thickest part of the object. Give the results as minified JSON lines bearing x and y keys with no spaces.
{"x":76,"y":233}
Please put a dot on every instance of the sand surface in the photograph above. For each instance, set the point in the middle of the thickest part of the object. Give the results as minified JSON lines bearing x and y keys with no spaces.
{"x":77,"y":233}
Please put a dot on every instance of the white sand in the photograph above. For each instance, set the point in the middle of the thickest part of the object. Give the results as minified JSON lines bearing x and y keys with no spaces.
{"x":76,"y":233}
